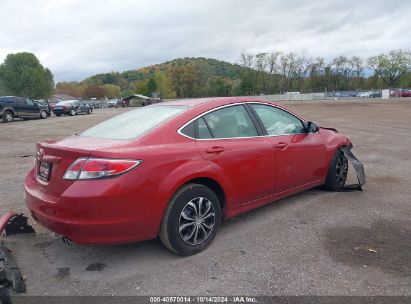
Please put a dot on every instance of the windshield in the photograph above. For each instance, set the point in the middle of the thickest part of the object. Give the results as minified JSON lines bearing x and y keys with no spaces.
{"x":134,"y":123}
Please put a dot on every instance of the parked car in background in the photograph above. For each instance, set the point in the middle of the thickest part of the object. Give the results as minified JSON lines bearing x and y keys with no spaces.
{"x":22,"y":107}
{"x":364,"y":94}
{"x":401,"y":93}
{"x":376,"y":94}
{"x":72,"y":107}
{"x":113,"y":103}
{"x":342,"y":94}
{"x":96,"y":104}
{"x":177,"y":169}
{"x":45,"y":104}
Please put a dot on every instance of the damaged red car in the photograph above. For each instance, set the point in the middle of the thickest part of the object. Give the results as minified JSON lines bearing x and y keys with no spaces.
{"x":177,"y":169}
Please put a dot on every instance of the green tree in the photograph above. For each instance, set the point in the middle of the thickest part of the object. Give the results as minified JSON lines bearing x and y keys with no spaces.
{"x":219,"y":86}
{"x":111,"y":90}
{"x":94,"y":91}
{"x":3,"y":89}
{"x":139,"y":87}
{"x":391,"y":67}
{"x":23,"y":75}
{"x":164,"y":86}
{"x":73,"y":88}
{"x":151,"y":86}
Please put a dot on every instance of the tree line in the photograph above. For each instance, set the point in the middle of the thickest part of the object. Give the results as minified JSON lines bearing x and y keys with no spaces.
{"x":255,"y":73}
{"x":279,"y":72}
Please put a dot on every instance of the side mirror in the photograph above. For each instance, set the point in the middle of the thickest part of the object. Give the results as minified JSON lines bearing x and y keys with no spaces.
{"x":312,"y":127}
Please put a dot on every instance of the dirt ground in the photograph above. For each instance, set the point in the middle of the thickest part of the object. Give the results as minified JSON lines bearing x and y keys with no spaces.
{"x":313,"y":243}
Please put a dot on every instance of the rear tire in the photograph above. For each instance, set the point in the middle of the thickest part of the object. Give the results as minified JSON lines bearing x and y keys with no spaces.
{"x":8,"y":116}
{"x":58,"y":115}
{"x":191,"y":220}
{"x":337,"y":172}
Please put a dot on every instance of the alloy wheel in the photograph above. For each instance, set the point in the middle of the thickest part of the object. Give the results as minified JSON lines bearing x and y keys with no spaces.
{"x":9,"y":117}
{"x":341,"y":169}
{"x":196,"y":221}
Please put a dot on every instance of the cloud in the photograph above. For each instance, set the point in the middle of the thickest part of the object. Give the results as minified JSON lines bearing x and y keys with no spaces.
{"x":78,"y":38}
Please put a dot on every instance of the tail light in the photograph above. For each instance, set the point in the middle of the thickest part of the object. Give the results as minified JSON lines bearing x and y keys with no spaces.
{"x":93,"y":168}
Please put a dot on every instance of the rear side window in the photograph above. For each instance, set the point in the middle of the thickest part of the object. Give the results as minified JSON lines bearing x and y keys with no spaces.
{"x":229,"y":122}
{"x":203,"y":131}
{"x":277,"y":121}
{"x":6,"y":100}
{"x":135,"y":123}
{"x":189,"y":130}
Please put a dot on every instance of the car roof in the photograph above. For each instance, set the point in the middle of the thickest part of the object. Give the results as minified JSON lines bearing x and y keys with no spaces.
{"x":201,"y":105}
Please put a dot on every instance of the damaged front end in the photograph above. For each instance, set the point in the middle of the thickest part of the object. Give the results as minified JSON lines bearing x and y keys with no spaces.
{"x":358,"y":167}
{"x":10,"y":275}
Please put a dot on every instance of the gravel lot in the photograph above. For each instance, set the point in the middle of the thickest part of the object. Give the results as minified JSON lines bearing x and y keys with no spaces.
{"x":313,"y":243}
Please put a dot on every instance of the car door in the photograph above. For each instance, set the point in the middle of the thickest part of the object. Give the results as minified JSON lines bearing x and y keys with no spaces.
{"x":300,"y":155}
{"x":22,"y":107}
{"x":33,"y":109}
{"x":76,"y":106}
{"x":80,"y":108}
{"x":229,"y":139}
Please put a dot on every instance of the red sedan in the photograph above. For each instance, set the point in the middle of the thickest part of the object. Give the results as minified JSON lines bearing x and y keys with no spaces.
{"x":176,"y":169}
{"x":401,"y":93}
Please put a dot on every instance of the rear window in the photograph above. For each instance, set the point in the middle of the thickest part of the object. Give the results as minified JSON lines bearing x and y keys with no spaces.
{"x":134,"y":123}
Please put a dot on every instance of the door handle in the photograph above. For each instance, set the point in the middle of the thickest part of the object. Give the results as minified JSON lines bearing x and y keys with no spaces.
{"x":281,"y":146}
{"x":216,"y":150}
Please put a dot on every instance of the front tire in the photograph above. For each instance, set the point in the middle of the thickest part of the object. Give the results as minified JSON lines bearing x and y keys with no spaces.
{"x":72,"y":113}
{"x":337,"y":172}
{"x":43,"y":115}
{"x":191,"y":220}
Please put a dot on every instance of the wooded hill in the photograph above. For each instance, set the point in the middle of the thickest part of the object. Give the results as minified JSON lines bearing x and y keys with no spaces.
{"x":261,"y":73}
{"x":182,"y":77}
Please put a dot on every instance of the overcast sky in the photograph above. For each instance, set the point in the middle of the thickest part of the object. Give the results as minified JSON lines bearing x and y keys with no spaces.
{"x":78,"y":38}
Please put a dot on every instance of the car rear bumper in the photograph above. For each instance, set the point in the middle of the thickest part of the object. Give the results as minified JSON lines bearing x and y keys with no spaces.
{"x":82,"y":220}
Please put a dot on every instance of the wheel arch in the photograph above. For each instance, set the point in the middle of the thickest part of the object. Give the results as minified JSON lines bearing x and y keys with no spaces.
{"x":200,"y":173}
{"x":9,"y":110}
{"x":213,"y":185}
{"x":335,"y":144}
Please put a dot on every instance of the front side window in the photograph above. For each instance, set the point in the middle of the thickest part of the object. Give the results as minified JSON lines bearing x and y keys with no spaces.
{"x":135,"y":123}
{"x":29,"y":102}
{"x":228,"y":122}
{"x":277,"y":121}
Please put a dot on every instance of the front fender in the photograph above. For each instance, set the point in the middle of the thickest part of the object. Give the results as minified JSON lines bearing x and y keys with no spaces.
{"x":333,"y":141}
